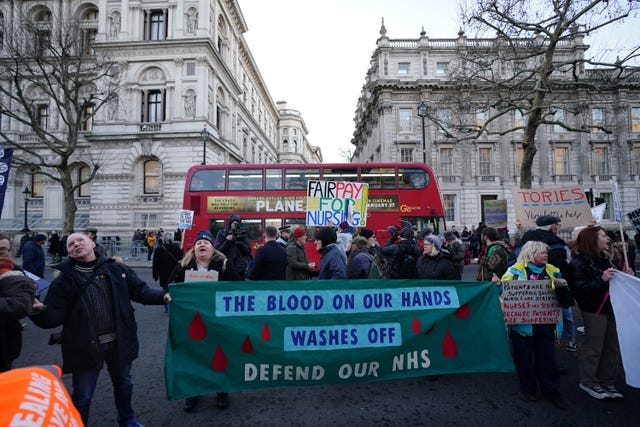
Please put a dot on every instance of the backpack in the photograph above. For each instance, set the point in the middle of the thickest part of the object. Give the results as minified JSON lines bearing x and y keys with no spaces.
{"x":408,"y":267}
{"x":374,"y":269}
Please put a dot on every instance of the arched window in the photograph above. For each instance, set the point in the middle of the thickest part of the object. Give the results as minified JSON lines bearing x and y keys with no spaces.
{"x":84,"y":190}
{"x":151,"y":177}
{"x":37,"y":185}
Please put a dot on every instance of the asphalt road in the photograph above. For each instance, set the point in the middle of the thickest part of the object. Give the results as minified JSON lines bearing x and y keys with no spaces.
{"x":451,"y":400}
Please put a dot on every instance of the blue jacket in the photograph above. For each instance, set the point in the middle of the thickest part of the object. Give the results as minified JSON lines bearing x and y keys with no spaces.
{"x":333,"y":264}
{"x":359,"y":265}
{"x":33,"y":258}
{"x":518,"y":271}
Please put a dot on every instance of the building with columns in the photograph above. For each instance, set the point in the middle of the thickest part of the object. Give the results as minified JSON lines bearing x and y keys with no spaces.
{"x":405,"y":72}
{"x":188,"y":91}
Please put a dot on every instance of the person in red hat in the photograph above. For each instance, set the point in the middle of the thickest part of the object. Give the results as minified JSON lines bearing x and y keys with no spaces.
{"x":298,"y":266}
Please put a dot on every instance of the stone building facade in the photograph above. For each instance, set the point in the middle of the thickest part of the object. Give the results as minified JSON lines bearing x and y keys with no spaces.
{"x":189,"y":91}
{"x":405,"y":72}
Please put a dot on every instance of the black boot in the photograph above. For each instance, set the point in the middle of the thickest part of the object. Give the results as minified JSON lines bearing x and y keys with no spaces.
{"x":222,"y":400}
{"x":190,"y":403}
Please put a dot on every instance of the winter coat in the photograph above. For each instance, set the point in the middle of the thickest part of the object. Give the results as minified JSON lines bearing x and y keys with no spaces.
{"x":494,"y":261}
{"x":17,"y":292}
{"x":237,"y":249}
{"x":217,"y":263}
{"x":33,"y":258}
{"x":297,"y":262}
{"x":396,"y":254}
{"x":359,"y":265}
{"x":333,"y":264}
{"x":435,"y":267}
{"x":587,"y":285}
{"x":270,"y":262}
{"x":456,"y":250}
{"x":343,"y":240}
{"x":69,"y":305}
{"x":165,"y":259}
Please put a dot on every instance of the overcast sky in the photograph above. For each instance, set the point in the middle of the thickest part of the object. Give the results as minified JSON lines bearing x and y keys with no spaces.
{"x":315,"y":54}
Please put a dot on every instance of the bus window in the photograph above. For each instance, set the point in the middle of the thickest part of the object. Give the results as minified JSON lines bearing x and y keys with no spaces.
{"x":412,"y":178}
{"x":275,"y":222}
{"x":274,"y":179}
{"x":296,"y":179}
{"x":330,"y":174}
{"x":253,"y":227}
{"x":378,"y":178}
{"x":207,"y":180}
{"x":245,"y":179}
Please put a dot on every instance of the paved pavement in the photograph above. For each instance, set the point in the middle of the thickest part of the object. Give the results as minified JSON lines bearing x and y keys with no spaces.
{"x":452,"y":400}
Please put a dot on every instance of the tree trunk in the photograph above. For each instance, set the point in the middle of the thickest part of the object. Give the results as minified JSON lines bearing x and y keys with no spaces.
{"x":70,"y":206}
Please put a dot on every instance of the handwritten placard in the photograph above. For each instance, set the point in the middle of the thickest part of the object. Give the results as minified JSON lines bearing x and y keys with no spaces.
{"x":200,"y":276}
{"x":529,"y":302}
{"x":634,"y":217}
{"x":568,"y":204}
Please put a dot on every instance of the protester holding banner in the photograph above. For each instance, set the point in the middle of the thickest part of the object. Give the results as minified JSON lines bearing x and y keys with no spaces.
{"x":298,"y":266}
{"x":204,"y":257}
{"x":91,"y":299}
{"x":333,"y":264}
{"x":533,"y":345}
{"x":546,"y":231}
{"x":434,"y":264}
{"x":599,"y":355}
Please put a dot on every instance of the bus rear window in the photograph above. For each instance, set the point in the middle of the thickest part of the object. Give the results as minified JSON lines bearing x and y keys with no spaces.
{"x":207,"y":180}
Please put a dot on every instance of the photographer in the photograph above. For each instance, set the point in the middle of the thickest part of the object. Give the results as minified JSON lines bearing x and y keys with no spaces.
{"x":234,"y":243}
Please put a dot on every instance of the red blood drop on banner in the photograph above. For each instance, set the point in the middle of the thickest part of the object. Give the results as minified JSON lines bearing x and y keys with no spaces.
{"x":266,"y":333}
{"x":449,"y":346}
{"x":430,"y":329}
{"x":416,"y":325}
{"x":197,"y":329}
{"x":219,"y":362}
{"x":463,"y":311}
{"x":247,"y":346}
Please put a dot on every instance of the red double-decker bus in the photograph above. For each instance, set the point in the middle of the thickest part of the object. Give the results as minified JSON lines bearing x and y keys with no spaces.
{"x":399,"y":194}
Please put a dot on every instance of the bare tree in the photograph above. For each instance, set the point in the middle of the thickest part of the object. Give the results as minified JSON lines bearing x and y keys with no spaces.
{"x":532,"y":66}
{"x":51,"y":86}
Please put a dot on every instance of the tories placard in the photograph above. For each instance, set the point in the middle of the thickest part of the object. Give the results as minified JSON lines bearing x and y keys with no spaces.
{"x":568,"y":204}
{"x":529,"y":302}
{"x":226,"y":336}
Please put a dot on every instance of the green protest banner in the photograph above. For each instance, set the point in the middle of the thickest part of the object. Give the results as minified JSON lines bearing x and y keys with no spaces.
{"x":244,"y":335}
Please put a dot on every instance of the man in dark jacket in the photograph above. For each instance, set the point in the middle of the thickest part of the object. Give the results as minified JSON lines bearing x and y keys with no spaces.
{"x":270,"y":262}
{"x":91,"y":298}
{"x":402,"y":255}
{"x":298,"y":266}
{"x":234,"y":243}
{"x":333,"y":264}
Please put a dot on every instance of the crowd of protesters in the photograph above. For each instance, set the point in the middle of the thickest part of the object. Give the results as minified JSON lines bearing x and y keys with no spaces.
{"x":580,"y":269}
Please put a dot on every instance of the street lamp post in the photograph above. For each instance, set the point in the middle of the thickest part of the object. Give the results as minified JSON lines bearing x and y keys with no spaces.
{"x":26,"y":193}
{"x":423,"y":107}
{"x":204,"y":136}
